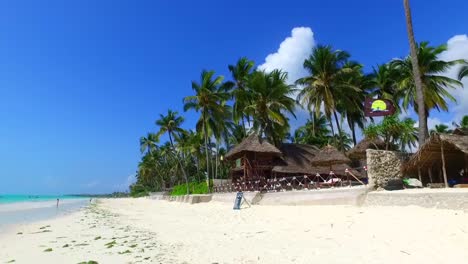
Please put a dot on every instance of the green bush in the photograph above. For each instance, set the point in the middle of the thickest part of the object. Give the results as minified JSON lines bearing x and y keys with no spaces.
{"x":138,"y":190}
{"x":194,"y":188}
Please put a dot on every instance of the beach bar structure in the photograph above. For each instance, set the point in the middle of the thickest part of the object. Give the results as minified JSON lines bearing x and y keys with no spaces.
{"x":254,"y":159}
{"x":442,"y":159}
{"x":259,"y":165}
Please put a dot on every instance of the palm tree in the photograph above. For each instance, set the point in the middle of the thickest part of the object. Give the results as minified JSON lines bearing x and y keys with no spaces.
{"x":463,"y":123}
{"x":271,"y":100}
{"x":345,"y":140}
{"x":314,"y":132}
{"x":434,"y":81}
{"x":240,"y":74}
{"x":326,"y":84}
{"x":408,"y":134}
{"x":385,"y":81}
{"x":440,"y":129}
{"x":417,"y":80}
{"x":170,"y":124}
{"x":463,"y":72}
{"x":210,"y":100}
{"x":351,"y":105}
{"x":148,"y":143}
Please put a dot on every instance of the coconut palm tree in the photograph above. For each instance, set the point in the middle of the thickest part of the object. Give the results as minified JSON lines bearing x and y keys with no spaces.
{"x":463,"y":123}
{"x":463,"y":72}
{"x":384,"y":80}
{"x":314,"y":132}
{"x":240,"y":75}
{"x":435,"y":83}
{"x":417,"y":80}
{"x":408,"y":135}
{"x":441,"y":129}
{"x":271,"y":100}
{"x":171,"y":124}
{"x":148,"y":143}
{"x":326,"y":84}
{"x":210,"y":100}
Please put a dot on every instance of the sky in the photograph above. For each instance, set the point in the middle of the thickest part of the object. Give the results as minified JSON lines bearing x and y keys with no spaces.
{"x":82,"y":81}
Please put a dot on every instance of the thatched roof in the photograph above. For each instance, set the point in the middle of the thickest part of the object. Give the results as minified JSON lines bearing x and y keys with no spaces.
{"x":329,"y":155}
{"x":359,"y":151}
{"x":252,"y":143}
{"x":460,"y":131}
{"x":297,"y":160}
{"x":455,"y":147}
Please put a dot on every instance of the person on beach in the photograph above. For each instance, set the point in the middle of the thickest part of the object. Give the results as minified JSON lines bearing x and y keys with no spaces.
{"x":58,"y":202}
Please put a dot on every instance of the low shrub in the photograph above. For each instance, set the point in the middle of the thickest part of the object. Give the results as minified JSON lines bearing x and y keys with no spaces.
{"x":194,"y":188}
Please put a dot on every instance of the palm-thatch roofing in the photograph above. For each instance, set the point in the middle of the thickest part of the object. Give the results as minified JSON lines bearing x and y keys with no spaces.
{"x":455,"y":148}
{"x":252,"y":143}
{"x":297,"y":159}
{"x":328,"y":156}
{"x":460,"y":131}
{"x":359,"y":151}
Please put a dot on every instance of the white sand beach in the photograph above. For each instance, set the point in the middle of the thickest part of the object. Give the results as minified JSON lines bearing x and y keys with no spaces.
{"x":149,"y":231}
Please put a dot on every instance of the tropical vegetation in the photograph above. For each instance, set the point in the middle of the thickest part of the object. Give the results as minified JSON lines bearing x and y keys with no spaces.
{"x":331,"y":95}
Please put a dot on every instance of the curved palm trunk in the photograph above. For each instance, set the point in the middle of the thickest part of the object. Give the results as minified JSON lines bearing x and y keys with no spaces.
{"x":332,"y":129}
{"x":416,"y":74}
{"x":180,"y":163}
{"x":339,"y":130}
{"x":206,"y":152}
{"x":353,"y":129}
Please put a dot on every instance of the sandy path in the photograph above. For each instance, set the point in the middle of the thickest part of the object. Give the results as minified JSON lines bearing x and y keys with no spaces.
{"x":214,"y":233}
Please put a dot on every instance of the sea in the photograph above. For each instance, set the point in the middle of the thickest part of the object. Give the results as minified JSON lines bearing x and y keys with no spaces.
{"x":23,"y":209}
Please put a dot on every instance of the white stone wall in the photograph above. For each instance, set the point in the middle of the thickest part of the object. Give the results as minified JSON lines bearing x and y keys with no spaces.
{"x":383,"y":166}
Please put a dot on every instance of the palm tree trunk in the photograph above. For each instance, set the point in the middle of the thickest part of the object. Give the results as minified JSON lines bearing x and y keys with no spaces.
{"x":180,"y":163}
{"x":243,"y":125}
{"x":332,"y":129}
{"x":206,"y":152}
{"x":416,"y":74}
{"x":339,"y":130}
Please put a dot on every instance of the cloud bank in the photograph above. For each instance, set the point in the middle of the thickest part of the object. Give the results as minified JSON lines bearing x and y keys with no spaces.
{"x":291,"y":54}
{"x":457,"y":48}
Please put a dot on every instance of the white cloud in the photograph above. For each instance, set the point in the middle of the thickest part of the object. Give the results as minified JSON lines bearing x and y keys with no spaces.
{"x":457,"y":48}
{"x":291,"y":54}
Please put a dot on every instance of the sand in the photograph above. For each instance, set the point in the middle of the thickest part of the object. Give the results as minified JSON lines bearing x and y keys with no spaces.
{"x":149,"y":231}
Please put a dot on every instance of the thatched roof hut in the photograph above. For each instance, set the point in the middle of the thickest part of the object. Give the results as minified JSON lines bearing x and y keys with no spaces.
{"x":445,"y":150}
{"x":359,"y":151}
{"x":254,"y":144}
{"x":328,"y":156}
{"x":296,"y":159}
{"x":460,"y":131}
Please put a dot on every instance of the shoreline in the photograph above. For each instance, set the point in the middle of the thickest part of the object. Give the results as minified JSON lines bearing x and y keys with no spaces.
{"x":30,"y":212}
{"x":151,"y":231}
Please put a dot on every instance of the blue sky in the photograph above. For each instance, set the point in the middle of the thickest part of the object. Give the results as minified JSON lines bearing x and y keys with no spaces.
{"x":81,"y":81}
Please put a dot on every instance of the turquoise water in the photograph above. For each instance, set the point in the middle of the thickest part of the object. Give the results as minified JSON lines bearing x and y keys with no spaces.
{"x":33,"y":198}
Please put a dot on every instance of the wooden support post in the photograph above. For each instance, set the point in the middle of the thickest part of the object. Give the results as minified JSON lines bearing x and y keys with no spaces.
{"x":419,"y":174}
{"x":443,"y":164}
{"x":429,"y":171}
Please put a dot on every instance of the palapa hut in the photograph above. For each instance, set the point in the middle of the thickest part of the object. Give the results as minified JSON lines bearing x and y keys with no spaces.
{"x":329,"y":156}
{"x":460,"y":131}
{"x":442,"y":158}
{"x":358,"y":152}
{"x":254,"y":158}
{"x":297,"y":160}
